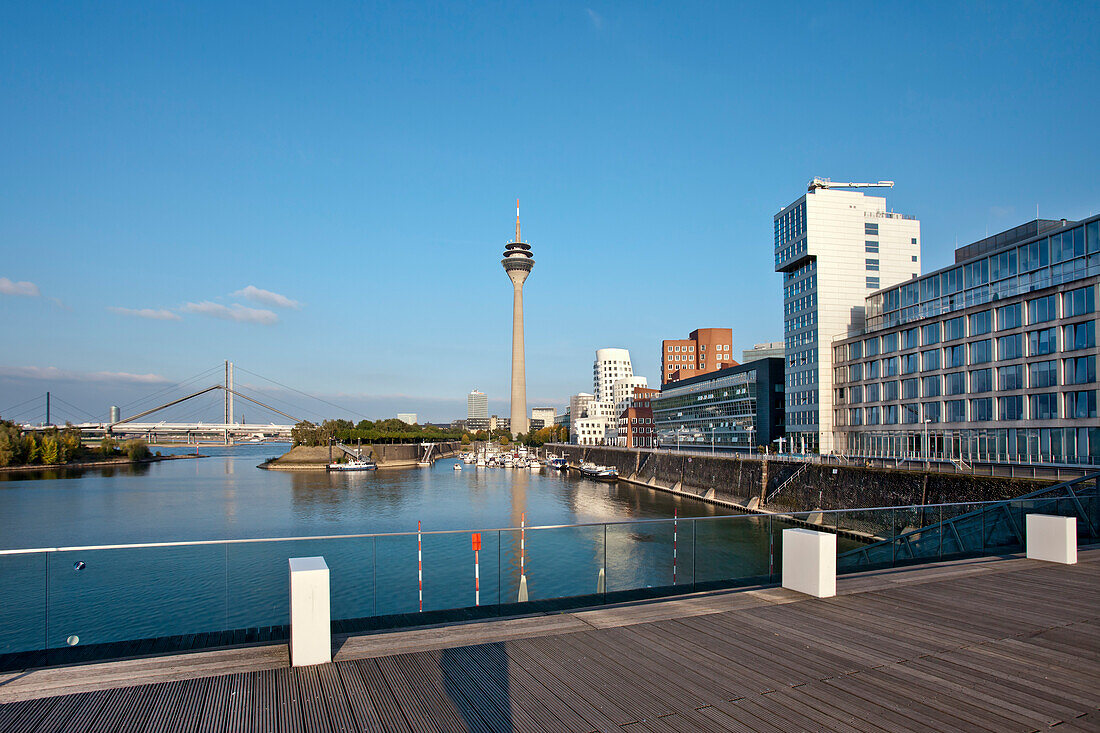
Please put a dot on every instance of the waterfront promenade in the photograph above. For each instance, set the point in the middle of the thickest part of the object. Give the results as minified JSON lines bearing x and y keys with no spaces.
{"x":995,"y":644}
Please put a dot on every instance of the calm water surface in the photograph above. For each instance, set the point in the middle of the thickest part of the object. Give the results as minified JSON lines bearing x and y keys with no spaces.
{"x":109,"y":595}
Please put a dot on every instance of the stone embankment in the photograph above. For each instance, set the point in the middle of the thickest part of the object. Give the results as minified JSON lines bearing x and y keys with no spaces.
{"x":386,"y":455}
{"x":103,"y":463}
{"x":745,"y":482}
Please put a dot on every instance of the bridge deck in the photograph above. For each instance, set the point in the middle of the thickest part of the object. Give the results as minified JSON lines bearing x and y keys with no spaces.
{"x":992,"y":644}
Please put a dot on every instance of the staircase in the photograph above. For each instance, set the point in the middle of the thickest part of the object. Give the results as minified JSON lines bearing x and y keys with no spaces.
{"x":790,"y":479}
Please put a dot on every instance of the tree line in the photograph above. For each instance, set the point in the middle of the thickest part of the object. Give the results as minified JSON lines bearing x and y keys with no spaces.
{"x":57,"y":446}
{"x":393,"y":430}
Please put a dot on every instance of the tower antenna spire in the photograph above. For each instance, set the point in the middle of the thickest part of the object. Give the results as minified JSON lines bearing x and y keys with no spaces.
{"x":517,"y":220}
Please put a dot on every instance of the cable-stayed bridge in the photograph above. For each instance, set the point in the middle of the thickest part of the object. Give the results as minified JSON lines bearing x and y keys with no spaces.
{"x":179,"y":405}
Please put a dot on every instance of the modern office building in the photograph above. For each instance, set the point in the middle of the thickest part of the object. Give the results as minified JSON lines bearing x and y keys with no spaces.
{"x":407,"y":417}
{"x":544,"y":414}
{"x":770,"y":350}
{"x":477,"y":405}
{"x":705,"y":350}
{"x":833,"y":247}
{"x":517,"y":262}
{"x":992,"y":358}
{"x":598,"y":411}
{"x":636,"y":426}
{"x":737,"y":408}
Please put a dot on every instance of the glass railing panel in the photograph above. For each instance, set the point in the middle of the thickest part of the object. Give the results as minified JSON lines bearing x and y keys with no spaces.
{"x":640,"y":555}
{"x":1003,"y":527}
{"x":917,"y":533}
{"x":258,"y":579}
{"x":961,"y":532}
{"x":559,"y":562}
{"x":736,"y":549}
{"x":125,"y":594}
{"x":23,"y":608}
{"x":449,"y":572}
{"x":876,"y":528}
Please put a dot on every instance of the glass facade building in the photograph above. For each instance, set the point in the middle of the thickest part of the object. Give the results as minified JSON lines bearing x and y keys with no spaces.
{"x":736,"y":408}
{"x":993,"y":358}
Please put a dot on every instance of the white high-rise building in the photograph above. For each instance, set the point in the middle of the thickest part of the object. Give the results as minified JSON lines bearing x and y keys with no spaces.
{"x":834,"y":247}
{"x":600,"y":416}
{"x":477,"y":406}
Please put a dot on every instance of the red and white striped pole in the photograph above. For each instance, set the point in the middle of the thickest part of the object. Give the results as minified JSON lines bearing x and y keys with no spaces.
{"x":522,"y":543}
{"x":476,"y":542}
{"x":420,"y":565}
{"x":675,"y":522}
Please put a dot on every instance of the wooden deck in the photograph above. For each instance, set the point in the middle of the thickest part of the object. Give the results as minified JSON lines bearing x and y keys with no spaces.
{"x":981,"y":645}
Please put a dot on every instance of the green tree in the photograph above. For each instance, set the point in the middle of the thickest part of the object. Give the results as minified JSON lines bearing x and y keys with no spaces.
{"x":504,"y":440}
{"x":31,"y":451}
{"x":465,"y":439}
{"x":136,"y":450}
{"x":50,"y":450}
{"x":107,"y":446}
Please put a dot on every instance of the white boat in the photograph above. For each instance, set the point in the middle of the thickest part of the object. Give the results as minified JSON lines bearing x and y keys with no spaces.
{"x":599,"y":473}
{"x":557,"y":462}
{"x":357,"y":464}
{"x":458,"y":466}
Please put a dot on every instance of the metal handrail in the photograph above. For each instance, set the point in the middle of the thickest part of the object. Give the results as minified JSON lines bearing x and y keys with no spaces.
{"x":757,"y":515}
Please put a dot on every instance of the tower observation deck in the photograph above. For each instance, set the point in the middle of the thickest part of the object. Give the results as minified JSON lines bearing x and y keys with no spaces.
{"x":517,"y":262}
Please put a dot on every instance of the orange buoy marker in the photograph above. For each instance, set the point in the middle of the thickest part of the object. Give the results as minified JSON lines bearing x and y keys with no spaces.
{"x":522,"y":558}
{"x":475,"y":540}
{"x":420,"y":566}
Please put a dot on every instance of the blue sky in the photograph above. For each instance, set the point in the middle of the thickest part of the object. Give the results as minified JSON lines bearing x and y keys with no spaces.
{"x":358,"y":163}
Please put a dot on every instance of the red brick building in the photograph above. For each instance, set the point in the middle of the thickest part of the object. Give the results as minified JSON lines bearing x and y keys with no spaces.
{"x":636,"y":426}
{"x":704,"y":350}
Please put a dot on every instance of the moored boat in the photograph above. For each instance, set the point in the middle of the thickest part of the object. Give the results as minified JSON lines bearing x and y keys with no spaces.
{"x":599,"y":473}
{"x":353,"y":465}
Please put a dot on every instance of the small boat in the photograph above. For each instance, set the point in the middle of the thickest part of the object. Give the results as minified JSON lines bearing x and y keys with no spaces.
{"x":458,"y":466}
{"x":599,"y":473}
{"x":557,"y":462}
{"x":424,"y":464}
{"x":353,"y":465}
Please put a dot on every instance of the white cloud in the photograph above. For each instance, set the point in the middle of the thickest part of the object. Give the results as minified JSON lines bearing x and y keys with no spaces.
{"x":234,"y":312}
{"x":266,"y":297}
{"x":596,"y":18}
{"x":154,"y":314}
{"x":24,"y":288}
{"x":55,"y":374}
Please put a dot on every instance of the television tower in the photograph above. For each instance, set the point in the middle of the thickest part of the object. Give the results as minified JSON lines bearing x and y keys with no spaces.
{"x":518,"y":261}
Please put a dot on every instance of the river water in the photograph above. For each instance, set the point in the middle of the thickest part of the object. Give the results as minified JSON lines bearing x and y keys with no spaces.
{"x":90,"y":596}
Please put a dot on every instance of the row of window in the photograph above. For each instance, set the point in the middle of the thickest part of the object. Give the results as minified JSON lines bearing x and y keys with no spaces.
{"x":1075,"y":337}
{"x":1040,"y":374}
{"x":1045,"y":406}
{"x":1078,"y":302}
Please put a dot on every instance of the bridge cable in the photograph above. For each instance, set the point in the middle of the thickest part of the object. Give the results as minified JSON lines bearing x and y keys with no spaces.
{"x":36,"y":398}
{"x":304,"y":394}
{"x":171,"y":387}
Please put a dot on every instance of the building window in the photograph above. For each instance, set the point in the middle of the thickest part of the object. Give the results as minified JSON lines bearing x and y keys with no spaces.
{"x":909,"y":364}
{"x":930,"y":386}
{"x":889,"y":391}
{"x":1080,"y":336}
{"x":981,"y":380}
{"x":910,"y":389}
{"x":872,"y":392}
{"x":955,"y":383}
{"x":954,"y":356}
{"x":1010,"y":377}
{"x":1011,"y":408}
{"x":930,"y":334}
{"x":1081,"y":404}
{"x":873,"y":371}
{"x":873,"y":283}
{"x":869,"y":228}
{"x":1044,"y":406}
{"x":871,"y":245}
{"x":1078,"y":302}
{"x":913,"y":240}
{"x":872,"y":264}
{"x":981,"y":323}
{"x":910,"y":338}
{"x":981,"y":351}
{"x":953,"y":329}
{"x":871,"y":346}
{"x":914,"y":260}
{"x":981,"y":409}
{"x":890,"y":367}
{"x":1042,"y":342}
{"x":1080,"y":370}
{"x":1010,"y":347}
{"x":930,"y":360}
{"x":1043,"y":374}
{"x":889,"y":343}
{"x":1042,"y":309}
{"x":956,"y":410}
{"x":931,"y":411}
{"x":1009,"y":317}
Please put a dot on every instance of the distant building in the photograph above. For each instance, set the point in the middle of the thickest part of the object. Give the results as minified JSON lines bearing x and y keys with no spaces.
{"x":536,"y":423}
{"x":636,"y":426}
{"x":116,"y":414}
{"x":407,"y":417}
{"x":477,"y":405}
{"x":545,"y":414}
{"x":705,"y":350}
{"x":737,"y":408}
{"x":834,"y":247}
{"x":499,"y":423}
{"x":598,"y":422}
{"x":458,"y":425}
{"x":773,"y":350}
{"x":477,"y":423}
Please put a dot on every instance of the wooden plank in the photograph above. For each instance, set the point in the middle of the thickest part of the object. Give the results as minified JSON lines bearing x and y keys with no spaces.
{"x":263,"y":712}
{"x":362,"y":707}
{"x":288,"y":709}
{"x":424,"y":704}
{"x":310,"y":699}
{"x":385,"y":701}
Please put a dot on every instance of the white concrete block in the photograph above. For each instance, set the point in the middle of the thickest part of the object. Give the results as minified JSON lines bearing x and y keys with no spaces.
{"x":1052,"y":538}
{"x":809,"y":562}
{"x":310,"y":622}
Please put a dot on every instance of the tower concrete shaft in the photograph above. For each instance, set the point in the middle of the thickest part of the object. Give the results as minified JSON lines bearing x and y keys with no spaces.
{"x":518,"y":261}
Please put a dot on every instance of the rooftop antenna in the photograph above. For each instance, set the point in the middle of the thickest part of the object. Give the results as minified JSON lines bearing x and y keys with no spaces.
{"x":517,"y":220}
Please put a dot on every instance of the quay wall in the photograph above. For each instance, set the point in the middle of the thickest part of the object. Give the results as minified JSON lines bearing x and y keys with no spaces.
{"x":745,"y":482}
